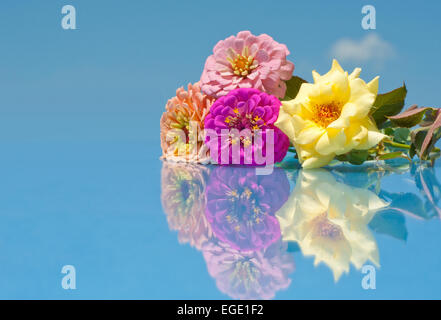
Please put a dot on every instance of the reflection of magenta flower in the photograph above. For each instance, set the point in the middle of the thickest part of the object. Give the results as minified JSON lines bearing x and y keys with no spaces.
{"x":252,"y":275}
{"x":241,"y":206}
{"x":183,"y":200}
{"x":238,"y":116}
{"x":247,"y":61}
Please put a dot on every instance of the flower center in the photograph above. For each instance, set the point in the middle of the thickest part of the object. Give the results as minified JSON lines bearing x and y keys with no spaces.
{"x":184,"y":194}
{"x":325,"y":229}
{"x":324,"y":114}
{"x":181,"y":122}
{"x":245,"y":274}
{"x":243,"y":208}
{"x":242,"y":64}
{"x":248,"y":121}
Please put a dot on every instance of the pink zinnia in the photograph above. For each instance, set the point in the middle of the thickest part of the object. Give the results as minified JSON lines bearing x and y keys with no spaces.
{"x":247,"y":61}
{"x":245,"y":110}
{"x":249,"y":275}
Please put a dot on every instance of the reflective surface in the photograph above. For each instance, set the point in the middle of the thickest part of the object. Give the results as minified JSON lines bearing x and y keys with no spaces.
{"x":136,"y":228}
{"x":251,"y":229}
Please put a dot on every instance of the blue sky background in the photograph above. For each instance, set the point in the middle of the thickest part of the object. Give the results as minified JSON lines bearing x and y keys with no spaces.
{"x":79,"y":137}
{"x":110,"y":78}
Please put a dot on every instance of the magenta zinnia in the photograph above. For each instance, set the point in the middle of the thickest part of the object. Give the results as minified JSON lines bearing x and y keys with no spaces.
{"x":252,"y":113}
{"x":247,"y":61}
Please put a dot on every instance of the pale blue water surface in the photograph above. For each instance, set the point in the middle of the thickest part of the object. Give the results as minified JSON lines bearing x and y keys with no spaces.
{"x":82,"y":183}
{"x":217,"y":233}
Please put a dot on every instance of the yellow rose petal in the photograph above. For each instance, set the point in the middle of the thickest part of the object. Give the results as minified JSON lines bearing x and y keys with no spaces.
{"x":331,"y":116}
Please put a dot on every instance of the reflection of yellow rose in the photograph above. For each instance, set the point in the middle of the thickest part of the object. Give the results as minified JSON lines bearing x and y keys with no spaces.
{"x":330,"y":116}
{"x":329,"y":220}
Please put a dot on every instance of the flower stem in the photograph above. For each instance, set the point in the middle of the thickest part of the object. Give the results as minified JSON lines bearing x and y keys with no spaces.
{"x":396,"y":144}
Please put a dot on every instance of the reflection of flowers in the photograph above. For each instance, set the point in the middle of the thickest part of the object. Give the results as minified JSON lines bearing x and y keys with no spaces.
{"x":246,"y":257}
{"x":241,"y":206}
{"x":249,"y":275}
{"x":183,"y":200}
{"x":180,"y":124}
{"x":329,"y":220}
{"x":429,"y":186}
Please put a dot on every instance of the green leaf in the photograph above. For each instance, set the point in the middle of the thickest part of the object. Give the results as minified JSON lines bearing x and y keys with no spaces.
{"x":412,"y":151}
{"x":434,"y":155}
{"x":429,"y":117}
{"x":392,"y":155}
{"x":388,"y":104}
{"x":417,"y":137}
{"x":402,"y":135}
{"x":409,"y":118}
{"x":433,"y":134}
{"x":389,"y":131}
{"x":356,"y":157}
{"x":292,"y":87}
{"x":425,"y":138}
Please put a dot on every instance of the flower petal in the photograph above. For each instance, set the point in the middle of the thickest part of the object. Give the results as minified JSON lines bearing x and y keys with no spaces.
{"x":317,"y":162}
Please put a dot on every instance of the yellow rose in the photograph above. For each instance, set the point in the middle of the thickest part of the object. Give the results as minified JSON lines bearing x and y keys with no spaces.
{"x":330,"y":116}
{"x":329,"y":220}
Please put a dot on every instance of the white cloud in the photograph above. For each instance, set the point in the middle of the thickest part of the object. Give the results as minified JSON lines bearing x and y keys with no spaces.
{"x":370,"y":48}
